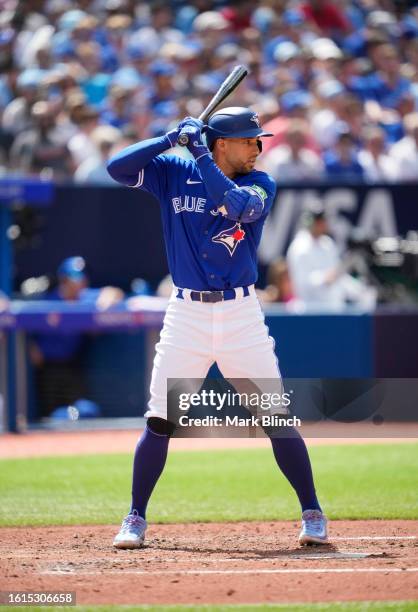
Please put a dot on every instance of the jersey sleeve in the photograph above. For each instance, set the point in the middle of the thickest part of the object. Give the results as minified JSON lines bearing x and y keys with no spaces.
{"x":153,"y":177}
{"x":142,"y":165}
{"x":215,"y":180}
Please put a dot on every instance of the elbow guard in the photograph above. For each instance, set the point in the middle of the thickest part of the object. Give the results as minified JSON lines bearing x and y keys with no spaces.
{"x":243,"y":204}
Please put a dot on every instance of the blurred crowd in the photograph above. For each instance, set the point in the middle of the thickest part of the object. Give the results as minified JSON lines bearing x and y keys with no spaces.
{"x":337,"y":82}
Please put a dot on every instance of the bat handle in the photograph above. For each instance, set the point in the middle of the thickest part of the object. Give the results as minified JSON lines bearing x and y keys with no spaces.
{"x":183,"y":139}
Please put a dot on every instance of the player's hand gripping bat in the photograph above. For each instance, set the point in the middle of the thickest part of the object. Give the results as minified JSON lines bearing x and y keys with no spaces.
{"x":231,"y":82}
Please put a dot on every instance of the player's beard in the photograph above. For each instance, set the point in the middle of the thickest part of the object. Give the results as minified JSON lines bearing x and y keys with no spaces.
{"x":245,"y":167}
{"x":249,"y":167}
{"x":231,"y":164}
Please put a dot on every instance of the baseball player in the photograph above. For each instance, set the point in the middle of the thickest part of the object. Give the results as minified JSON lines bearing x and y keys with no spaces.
{"x":213,"y":209}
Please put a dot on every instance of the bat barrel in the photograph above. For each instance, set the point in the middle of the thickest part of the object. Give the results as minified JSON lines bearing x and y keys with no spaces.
{"x":227,"y":87}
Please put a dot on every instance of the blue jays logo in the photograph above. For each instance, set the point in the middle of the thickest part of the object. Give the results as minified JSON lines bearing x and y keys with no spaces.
{"x":230,"y":238}
{"x":256,"y":119}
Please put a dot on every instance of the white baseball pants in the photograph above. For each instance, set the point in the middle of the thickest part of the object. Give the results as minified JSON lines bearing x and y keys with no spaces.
{"x":195,"y":335}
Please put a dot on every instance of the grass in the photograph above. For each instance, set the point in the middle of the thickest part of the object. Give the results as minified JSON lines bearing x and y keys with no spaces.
{"x":354,"y":482}
{"x":364,"y":606}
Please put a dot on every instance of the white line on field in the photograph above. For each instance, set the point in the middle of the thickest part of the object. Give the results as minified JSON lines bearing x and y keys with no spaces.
{"x":297,"y":556}
{"x":374,"y":537}
{"x":345,"y":570}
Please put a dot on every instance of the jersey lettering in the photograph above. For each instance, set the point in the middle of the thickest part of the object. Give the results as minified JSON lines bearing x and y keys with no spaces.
{"x":188,"y":204}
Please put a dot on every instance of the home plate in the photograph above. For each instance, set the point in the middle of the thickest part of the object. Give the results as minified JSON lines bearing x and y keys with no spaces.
{"x":342,"y":554}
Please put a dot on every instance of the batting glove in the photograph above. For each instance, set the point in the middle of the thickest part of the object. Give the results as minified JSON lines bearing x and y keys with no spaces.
{"x":243,"y":204}
{"x":172,"y":136}
{"x":191,"y":121}
{"x":193,"y":128}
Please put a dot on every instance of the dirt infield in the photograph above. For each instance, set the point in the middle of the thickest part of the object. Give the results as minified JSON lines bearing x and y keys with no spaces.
{"x":215,"y":563}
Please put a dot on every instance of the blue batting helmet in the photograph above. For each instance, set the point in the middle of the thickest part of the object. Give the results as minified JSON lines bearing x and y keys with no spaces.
{"x":233,"y":122}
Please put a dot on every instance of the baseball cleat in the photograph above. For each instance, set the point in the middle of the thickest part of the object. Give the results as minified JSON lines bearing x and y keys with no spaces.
{"x":314,"y":528}
{"x":132,"y":532}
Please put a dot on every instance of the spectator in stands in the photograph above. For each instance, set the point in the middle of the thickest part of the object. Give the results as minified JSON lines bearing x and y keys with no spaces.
{"x":57,"y":357}
{"x":41,"y":149}
{"x":72,"y":112}
{"x":293,"y":105}
{"x":341,"y":162}
{"x":17,"y":114}
{"x":361,"y":42}
{"x":7,"y":78}
{"x":163,"y":88}
{"x":328,"y":17}
{"x":93,"y":170}
{"x":115,"y":34}
{"x":378,"y":167}
{"x":390,"y":120}
{"x":137,"y":57}
{"x":284,"y":25}
{"x":293,"y":161}
{"x":338,"y":110}
{"x":353,"y":118}
{"x":279,"y":286}
{"x":94,"y":81}
{"x":127,"y":58}
{"x":404,"y":154}
{"x":288,"y":55}
{"x":346,"y":68}
{"x":80,"y":145}
{"x":119,"y":108}
{"x":157,"y":28}
{"x":238,"y":14}
{"x":211,"y":29}
{"x":325,"y":56}
{"x":326,"y":121}
{"x":317,"y":272}
{"x":411,"y":53}
{"x":385,"y":85}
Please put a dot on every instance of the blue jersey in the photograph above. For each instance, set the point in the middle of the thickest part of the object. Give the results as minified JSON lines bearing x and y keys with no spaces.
{"x":205,"y":250}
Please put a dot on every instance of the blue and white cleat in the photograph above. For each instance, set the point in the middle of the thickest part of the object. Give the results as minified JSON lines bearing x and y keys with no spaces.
{"x":314,"y":528}
{"x":132,"y":532}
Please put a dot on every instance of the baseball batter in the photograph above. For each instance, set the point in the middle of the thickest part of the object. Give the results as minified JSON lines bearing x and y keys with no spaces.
{"x":213,"y":210}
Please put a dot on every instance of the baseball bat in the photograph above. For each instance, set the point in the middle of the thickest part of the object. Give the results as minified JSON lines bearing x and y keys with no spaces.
{"x":227,"y":87}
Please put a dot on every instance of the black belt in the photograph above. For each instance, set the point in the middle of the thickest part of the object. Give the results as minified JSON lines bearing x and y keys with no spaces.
{"x":213,"y":296}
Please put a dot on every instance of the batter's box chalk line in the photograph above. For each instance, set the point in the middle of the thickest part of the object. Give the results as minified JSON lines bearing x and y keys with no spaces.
{"x":371,"y":538}
{"x":339,"y":570}
{"x":288,"y":557}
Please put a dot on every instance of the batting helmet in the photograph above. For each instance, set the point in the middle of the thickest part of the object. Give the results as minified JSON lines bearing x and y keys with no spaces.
{"x":233,"y":122}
